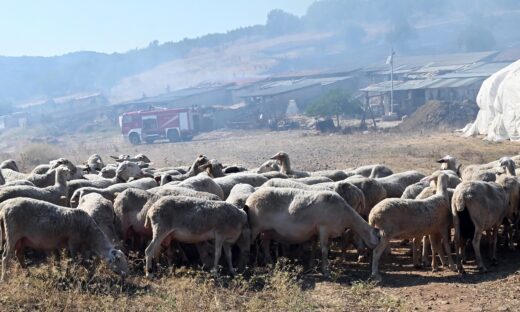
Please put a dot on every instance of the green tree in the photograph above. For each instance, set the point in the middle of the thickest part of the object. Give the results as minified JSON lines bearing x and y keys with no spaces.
{"x":334,"y":103}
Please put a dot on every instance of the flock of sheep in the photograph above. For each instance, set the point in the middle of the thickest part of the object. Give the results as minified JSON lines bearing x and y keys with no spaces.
{"x":194,"y":212}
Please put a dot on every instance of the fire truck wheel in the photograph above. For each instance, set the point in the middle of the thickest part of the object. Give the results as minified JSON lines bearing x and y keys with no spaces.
{"x":134,"y":139}
{"x":173,"y":136}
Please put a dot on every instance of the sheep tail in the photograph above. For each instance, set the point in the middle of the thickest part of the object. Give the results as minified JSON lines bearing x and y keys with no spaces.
{"x":147,"y":222}
{"x":459,"y":201}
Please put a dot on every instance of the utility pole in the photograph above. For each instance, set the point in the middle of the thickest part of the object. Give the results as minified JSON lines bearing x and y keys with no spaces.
{"x":390,"y":61}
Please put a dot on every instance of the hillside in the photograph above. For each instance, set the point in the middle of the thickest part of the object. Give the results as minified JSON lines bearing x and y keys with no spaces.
{"x":331,"y":34}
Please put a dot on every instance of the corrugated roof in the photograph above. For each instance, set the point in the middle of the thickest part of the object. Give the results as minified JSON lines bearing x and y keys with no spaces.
{"x":283,"y":86}
{"x":477,"y":70}
{"x":423,"y":84}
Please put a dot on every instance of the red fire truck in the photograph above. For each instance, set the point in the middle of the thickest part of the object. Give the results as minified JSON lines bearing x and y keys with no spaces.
{"x":159,"y":123}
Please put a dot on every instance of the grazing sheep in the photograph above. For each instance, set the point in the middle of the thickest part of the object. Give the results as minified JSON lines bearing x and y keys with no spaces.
{"x":53,"y":194}
{"x":40,"y":225}
{"x":477,"y":206}
{"x":285,"y":164}
{"x":294,"y":216}
{"x":102,"y":211}
{"x":396,"y":183}
{"x":192,"y":220}
{"x":9,"y":164}
{"x":110,"y":191}
{"x":226,"y":183}
{"x":407,"y":218}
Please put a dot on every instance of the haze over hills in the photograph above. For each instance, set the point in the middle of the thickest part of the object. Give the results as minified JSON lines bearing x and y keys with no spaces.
{"x":332,"y":34}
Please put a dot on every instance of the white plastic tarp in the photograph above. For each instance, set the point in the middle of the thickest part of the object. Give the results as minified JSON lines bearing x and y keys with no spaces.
{"x":499,"y":103}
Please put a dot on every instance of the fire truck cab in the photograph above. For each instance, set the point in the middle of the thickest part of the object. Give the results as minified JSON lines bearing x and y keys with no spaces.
{"x":158,"y":124}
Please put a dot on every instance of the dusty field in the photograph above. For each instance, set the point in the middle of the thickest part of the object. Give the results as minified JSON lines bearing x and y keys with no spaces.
{"x":288,"y":287}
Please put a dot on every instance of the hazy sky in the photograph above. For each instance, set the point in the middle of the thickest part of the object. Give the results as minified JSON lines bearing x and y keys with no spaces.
{"x":53,"y":27}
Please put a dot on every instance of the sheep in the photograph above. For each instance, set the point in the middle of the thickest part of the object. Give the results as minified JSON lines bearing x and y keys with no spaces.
{"x":125,"y":171}
{"x":53,"y":194}
{"x":372,"y":189}
{"x":450,"y":163}
{"x":294,"y":216}
{"x":40,"y":180}
{"x":213,"y":168}
{"x":268,"y":166}
{"x":131,"y":206}
{"x":239,"y":194}
{"x":110,"y":191}
{"x":313,"y":180}
{"x":102,"y":211}
{"x":9,"y":164}
{"x":95,"y":163}
{"x":285,"y":164}
{"x":193,"y":171}
{"x":53,"y":164}
{"x":349,"y":192}
{"x":200,"y":183}
{"x":40,"y":225}
{"x":227,"y":169}
{"x":407,"y":218}
{"x":412,"y":190}
{"x":192,"y":220}
{"x":478,"y":206}
{"x":396,"y":184}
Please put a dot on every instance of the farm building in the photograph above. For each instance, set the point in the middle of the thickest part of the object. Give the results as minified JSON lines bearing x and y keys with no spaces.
{"x":272,"y":97}
{"x":452,"y":77}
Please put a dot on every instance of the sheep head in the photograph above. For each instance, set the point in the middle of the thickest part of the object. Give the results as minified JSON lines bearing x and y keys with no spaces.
{"x":280,"y":156}
{"x":507,"y":166}
{"x":127,"y":170}
{"x":117,"y":262}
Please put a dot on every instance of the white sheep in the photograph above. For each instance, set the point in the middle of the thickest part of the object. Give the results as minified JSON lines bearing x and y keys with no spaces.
{"x":407,"y":218}
{"x":40,"y":225}
{"x":192,"y":220}
{"x":53,"y":194}
{"x":294,"y":216}
{"x":102,"y":211}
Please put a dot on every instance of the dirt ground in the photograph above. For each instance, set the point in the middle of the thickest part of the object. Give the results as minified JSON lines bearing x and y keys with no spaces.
{"x":404,"y":287}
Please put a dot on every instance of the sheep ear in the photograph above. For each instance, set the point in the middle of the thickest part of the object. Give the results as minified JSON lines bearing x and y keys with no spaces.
{"x":442,"y":160}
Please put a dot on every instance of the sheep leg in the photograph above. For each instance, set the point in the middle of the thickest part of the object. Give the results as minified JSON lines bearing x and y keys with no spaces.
{"x":324,"y":244}
{"x":426,"y":244}
{"x":218,"y":251}
{"x":266,"y":243}
{"x":476,"y":247}
{"x":447,"y":248}
{"x":6,"y":257}
{"x":229,"y":258}
{"x":494,"y":259}
{"x":378,"y":251}
{"x":153,"y":249}
{"x":436,"y":248}
{"x":18,"y":252}
{"x":415,"y":252}
{"x":458,"y":244}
